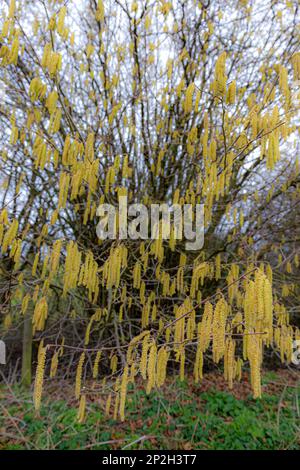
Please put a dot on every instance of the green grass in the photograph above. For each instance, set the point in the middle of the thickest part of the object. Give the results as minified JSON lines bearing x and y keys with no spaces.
{"x":180,"y":417}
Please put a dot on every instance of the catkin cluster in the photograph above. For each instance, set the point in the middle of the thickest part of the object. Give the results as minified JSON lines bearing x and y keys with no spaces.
{"x":39,"y":377}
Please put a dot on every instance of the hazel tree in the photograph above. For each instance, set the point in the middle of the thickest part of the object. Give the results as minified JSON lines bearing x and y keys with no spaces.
{"x":183,"y":102}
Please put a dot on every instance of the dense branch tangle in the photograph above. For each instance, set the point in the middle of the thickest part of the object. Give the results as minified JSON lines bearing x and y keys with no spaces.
{"x":161,"y":101}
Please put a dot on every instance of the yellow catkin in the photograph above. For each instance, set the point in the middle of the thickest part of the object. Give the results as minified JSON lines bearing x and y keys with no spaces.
{"x":39,"y":377}
{"x":10,"y":235}
{"x":180,"y":280}
{"x":35,"y":293}
{"x":54,"y":123}
{"x":151,"y":369}
{"x":238,"y":371}
{"x":13,"y":55}
{"x":198,"y":365}
{"x":229,"y":362}
{"x":72,"y":267}
{"x":188,"y":102}
{"x":100,"y":11}
{"x":133,"y":373}
{"x":205,"y":331}
{"x":144,"y":356}
{"x":142,"y":294}
{"x":296,"y":65}
{"x":52,"y":101}
{"x":113,"y":265}
{"x":268,"y":310}
{"x":35,"y":264}
{"x":12,"y":8}
{"x":89,"y":147}
{"x":45,"y":266}
{"x":123,"y":391}
{"x":179,"y":330}
{"x":199,"y":273}
{"x":54,"y":364}
{"x":88,"y":331}
{"x":182,"y":364}
{"x":55,"y":255}
{"x":96,"y":365}
{"x":64,"y":183}
{"x":231,"y":93}
{"x":258,"y":308}
{"x":161,"y":367}
{"x":25,"y":302}
{"x":79,"y":375}
{"x":114,"y":363}
{"x":133,"y":343}
{"x":81,"y":409}
{"x":254,"y":354}
{"x":37,"y":89}
{"x":108,"y":405}
{"x":219,"y":84}
{"x":117,"y":403}
{"x":284,"y":341}
{"x":218,"y":327}
{"x":40,"y":314}
{"x":126,"y":170}
{"x":137,"y":275}
{"x":154,"y":312}
{"x":218,"y":267}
